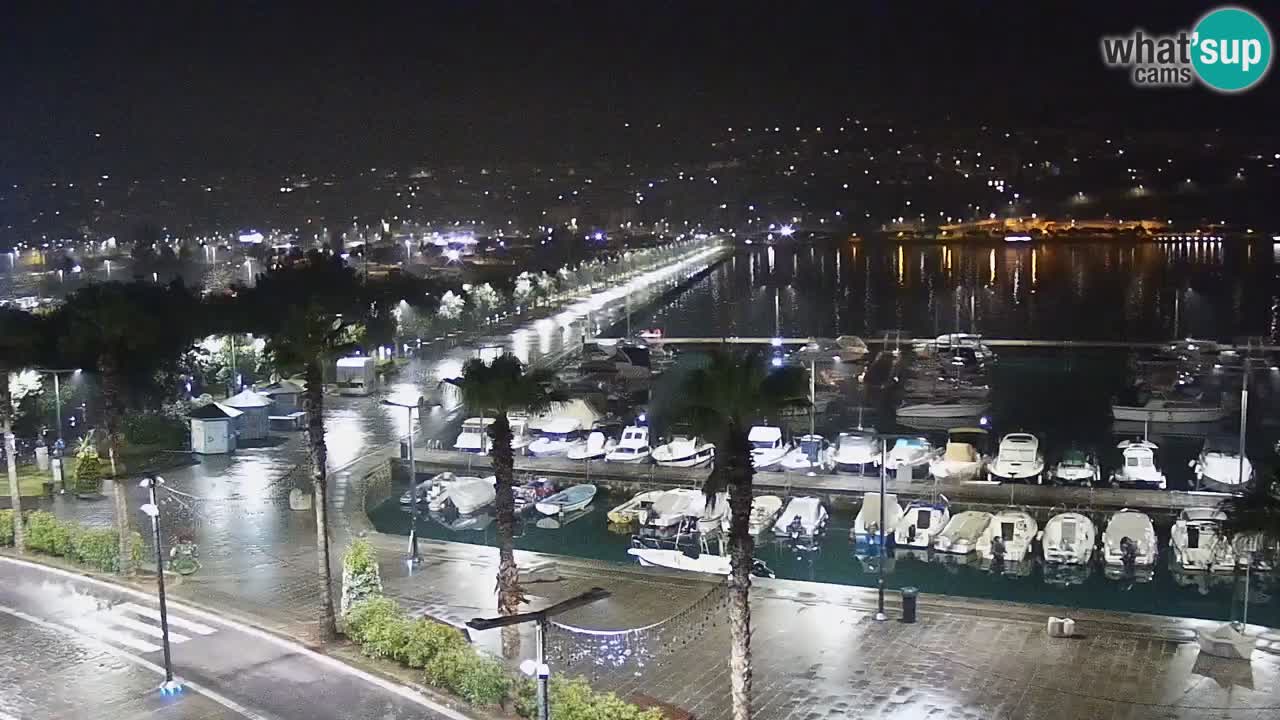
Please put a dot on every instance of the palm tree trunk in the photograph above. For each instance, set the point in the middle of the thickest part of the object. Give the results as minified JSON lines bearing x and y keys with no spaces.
{"x":10,"y":455}
{"x":113,"y":411}
{"x":510,"y":594}
{"x":738,"y":472}
{"x":313,"y":402}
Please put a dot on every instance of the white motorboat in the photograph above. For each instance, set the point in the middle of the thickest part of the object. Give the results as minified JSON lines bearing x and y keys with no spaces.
{"x":474,"y":437}
{"x":910,"y":457}
{"x":851,"y":348}
{"x":1076,"y":467}
{"x":596,"y":447}
{"x":632,"y":448}
{"x":811,"y":453}
{"x":558,"y":435}
{"x":1139,"y":467}
{"x":520,"y":437}
{"x":1164,"y":410}
{"x":962,"y":461}
{"x":803,"y":518}
{"x":672,"y":507}
{"x":1019,"y":459}
{"x":678,"y":560}
{"x":1068,"y":539}
{"x":1198,"y":542}
{"x":627,"y":361}
{"x":960,"y":536}
{"x":1221,"y":468}
{"x":684,"y":451}
{"x":528,"y":494}
{"x":920,"y":523}
{"x":857,"y":452}
{"x":469,"y":494}
{"x":1129,"y":540}
{"x":1008,"y":536}
{"x":965,"y":345}
{"x":425,"y":487}
{"x":629,"y":511}
{"x":767,"y":448}
{"x":764,"y":511}
{"x":571,"y":499}
{"x":953,"y":408}
{"x":866,"y":525}
{"x":713,"y":514}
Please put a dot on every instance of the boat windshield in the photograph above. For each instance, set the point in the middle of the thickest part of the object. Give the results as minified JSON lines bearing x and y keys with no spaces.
{"x":1074,"y":458}
{"x":810,"y":448}
{"x":764,"y":444}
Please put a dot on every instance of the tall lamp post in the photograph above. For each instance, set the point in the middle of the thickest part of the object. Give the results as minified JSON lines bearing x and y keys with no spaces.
{"x":884,"y":458}
{"x":541,"y":617}
{"x":414,"y":557}
{"x":152,"y":509}
{"x":61,"y":444}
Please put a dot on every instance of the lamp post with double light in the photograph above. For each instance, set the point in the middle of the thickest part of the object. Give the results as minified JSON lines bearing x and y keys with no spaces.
{"x":152,"y":509}
{"x":410,"y":405}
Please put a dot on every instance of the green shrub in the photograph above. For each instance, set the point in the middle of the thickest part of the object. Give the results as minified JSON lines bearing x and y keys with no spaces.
{"x":573,"y":699}
{"x":386,"y":636}
{"x":97,"y":548}
{"x":360,"y":576}
{"x":368,"y":613}
{"x":88,"y":472}
{"x":427,"y":639}
{"x":478,"y":680}
{"x":47,"y":534}
{"x":6,"y":528}
{"x":155,"y":430}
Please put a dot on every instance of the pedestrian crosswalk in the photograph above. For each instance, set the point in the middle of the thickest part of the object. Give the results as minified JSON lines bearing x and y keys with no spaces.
{"x":137,"y":627}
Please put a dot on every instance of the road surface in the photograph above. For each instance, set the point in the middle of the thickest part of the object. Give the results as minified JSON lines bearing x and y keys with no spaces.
{"x":79,"y":648}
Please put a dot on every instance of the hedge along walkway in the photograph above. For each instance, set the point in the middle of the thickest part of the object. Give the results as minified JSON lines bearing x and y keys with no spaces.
{"x":93,"y":548}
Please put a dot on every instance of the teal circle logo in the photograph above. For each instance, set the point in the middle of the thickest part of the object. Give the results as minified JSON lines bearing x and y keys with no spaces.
{"x":1231,"y":49}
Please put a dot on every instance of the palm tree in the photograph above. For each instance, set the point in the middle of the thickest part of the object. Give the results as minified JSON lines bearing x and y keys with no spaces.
{"x":126,"y":333}
{"x":20,"y":335}
{"x":493,"y":390}
{"x":311,"y":311}
{"x":721,"y":400}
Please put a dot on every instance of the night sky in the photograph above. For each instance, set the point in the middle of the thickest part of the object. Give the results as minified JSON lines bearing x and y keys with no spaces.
{"x":274,"y":87}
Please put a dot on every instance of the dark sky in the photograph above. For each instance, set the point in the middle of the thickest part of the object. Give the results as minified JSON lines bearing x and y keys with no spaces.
{"x":270,"y":86}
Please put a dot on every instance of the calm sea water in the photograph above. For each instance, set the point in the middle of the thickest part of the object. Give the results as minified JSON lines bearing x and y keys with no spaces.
{"x":1167,"y":593}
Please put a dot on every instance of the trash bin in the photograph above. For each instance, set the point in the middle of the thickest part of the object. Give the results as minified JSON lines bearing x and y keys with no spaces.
{"x":909,"y":595}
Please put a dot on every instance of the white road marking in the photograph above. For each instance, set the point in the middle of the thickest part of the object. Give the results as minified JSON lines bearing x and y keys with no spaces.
{"x":152,"y":630}
{"x":98,"y":629}
{"x":403,"y":691}
{"x":175,"y":621}
{"x":141,"y":662}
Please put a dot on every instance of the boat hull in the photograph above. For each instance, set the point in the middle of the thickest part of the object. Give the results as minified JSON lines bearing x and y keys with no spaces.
{"x":1168,"y":415}
{"x":941,"y":411}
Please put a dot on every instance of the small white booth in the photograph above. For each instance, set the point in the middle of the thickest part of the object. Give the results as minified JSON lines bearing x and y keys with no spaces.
{"x":254,"y":421}
{"x":286,"y":394}
{"x":213,"y":430}
{"x":356,"y":375}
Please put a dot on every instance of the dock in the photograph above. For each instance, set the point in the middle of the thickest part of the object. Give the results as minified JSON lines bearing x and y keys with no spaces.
{"x":836,"y":489}
{"x":990,"y":342}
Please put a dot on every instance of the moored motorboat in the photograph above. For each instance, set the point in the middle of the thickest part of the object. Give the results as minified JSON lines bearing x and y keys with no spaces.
{"x":528,"y":494}
{"x":960,"y":536}
{"x":1076,"y":467}
{"x":1198,"y":543}
{"x":851,"y":348}
{"x":424,"y":488}
{"x":1219,"y":467}
{"x":767,"y":448}
{"x":857,"y":452}
{"x":672,"y":507}
{"x":811,"y":453}
{"x":556,"y":437}
{"x":684,"y":451}
{"x":909,"y":458}
{"x":1166,"y":410}
{"x":474,"y":437}
{"x":866,"y":525}
{"x":962,"y":461}
{"x":920,"y":523}
{"x":575,"y":497}
{"x":469,"y":494}
{"x":1129,"y":540}
{"x":953,"y":408}
{"x":632,"y":448}
{"x":596,"y":447}
{"x":1069,"y":539}
{"x":1138,"y":468}
{"x":629,"y":511}
{"x":803,"y":518}
{"x":679,"y":560}
{"x":764,"y":511}
{"x":1019,"y":459}
{"x":1008,"y":536}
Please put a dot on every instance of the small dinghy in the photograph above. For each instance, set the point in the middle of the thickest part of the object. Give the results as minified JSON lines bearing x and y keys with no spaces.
{"x":1068,"y":539}
{"x":569,"y":500}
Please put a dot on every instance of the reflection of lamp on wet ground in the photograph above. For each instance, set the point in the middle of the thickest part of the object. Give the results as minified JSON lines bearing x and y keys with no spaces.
{"x":411,"y":404}
{"x":152,"y":509}
{"x":539,"y":667}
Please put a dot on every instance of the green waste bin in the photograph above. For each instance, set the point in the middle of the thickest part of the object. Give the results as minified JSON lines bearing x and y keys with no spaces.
{"x":909,"y":595}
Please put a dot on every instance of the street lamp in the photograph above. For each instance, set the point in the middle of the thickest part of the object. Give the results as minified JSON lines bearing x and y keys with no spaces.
{"x":541,"y":617}
{"x":881,"y":616}
{"x":61,"y":444}
{"x":414,"y":557}
{"x":152,"y":509}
